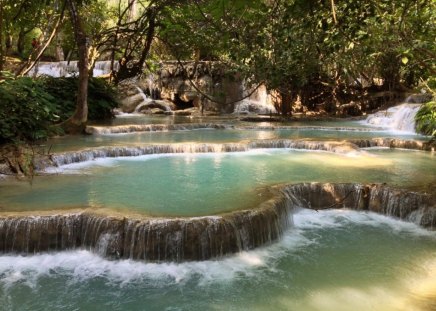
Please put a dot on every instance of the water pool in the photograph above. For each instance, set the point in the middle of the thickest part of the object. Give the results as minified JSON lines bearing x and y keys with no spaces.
{"x":203,"y":184}
{"x":327,"y":260}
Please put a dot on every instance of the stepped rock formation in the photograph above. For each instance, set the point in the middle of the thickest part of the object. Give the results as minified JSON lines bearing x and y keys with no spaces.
{"x":201,"y":238}
{"x":133,"y":128}
{"x":152,"y":239}
{"x":346,"y":148}
{"x":419,"y":208}
{"x":65,"y":158}
{"x":395,"y":143}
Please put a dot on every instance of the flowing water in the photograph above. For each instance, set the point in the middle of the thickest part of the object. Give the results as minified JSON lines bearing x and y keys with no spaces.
{"x":329,"y":260}
{"x":219,"y":136}
{"x":400,"y":118}
{"x":326,"y":260}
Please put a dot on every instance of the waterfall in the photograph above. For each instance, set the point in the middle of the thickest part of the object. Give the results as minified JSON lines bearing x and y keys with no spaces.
{"x":104,"y":67}
{"x":69,"y":69}
{"x":399,"y":118}
{"x":132,"y":128}
{"x":153,"y":103}
{"x":258,"y":102}
{"x":202,"y":238}
{"x":145,"y":101}
{"x":65,"y":158}
{"x":351,"y":148}
{"x":174,"y":239}
{"x":392,"y":143}
{"x":410,"y":206}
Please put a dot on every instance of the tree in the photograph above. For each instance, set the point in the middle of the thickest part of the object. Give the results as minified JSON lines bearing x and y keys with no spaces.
{"x":50,"y":30}
{"x":77,"y":122}
{"x":1,"y":36}
{"x":323,"y":51}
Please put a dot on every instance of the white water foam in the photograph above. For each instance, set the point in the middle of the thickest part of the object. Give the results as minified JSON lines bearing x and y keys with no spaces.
{"x":335,"y":218}
{"x":82,"y":265}
{"x":400,"y":118}
{"x":69,"y":69}
{"x":251,"y":106}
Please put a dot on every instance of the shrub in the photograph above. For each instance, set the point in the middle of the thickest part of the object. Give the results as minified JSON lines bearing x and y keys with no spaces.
{"x":27,"y":111}
{"x":29,"y":108}
{"x":426,"y":119}
{"x":101,"y":97}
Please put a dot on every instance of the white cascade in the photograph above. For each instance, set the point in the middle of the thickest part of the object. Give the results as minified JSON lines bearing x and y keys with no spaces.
{"x":68,"y":69}
{"x":258,"y":102}
{"x":145,"y":100}
{"x":398,"y":118}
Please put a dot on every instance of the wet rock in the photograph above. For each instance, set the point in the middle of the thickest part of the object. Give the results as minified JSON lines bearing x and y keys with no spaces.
{"x":202,"y":238}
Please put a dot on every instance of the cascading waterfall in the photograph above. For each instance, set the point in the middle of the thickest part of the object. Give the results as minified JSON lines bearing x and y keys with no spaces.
{"x":351,"y":148}
{"x":258,"y":102}
{"x":392,"y":143}
{"x":410,"y":206}
{"x":202,"y":238}
{"x":65,"y":158}
{"x":399,"y":118}
{"x":146,"y":102}
{"x":151,"y":239}
{"x":68,"y":69}
{"x":133,"y":128}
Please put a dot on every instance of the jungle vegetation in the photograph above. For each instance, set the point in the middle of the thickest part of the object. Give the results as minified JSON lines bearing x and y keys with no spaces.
{"x":329,"y":52}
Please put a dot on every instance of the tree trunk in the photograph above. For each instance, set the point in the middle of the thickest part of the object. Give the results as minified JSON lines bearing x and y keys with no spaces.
{"x":132,"y":11}
{"x":286,"y":104}
{"x":20,"y":42}
{"x":1,"y":36}
{"x":8,"y":42}
{"x":77,"y":122}
{"x":59,"y":51}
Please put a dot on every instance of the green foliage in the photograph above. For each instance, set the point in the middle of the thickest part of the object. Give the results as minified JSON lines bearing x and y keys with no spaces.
{"x":294,"y":45}
{"x":101,"y":97}
{"x":426,"y":119}
{"x":30,"y":107}
{"x":27,"y":111}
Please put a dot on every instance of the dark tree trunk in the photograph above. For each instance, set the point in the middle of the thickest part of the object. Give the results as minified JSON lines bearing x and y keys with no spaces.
{"x":286,"y":104}
{"x":1,"y":36}
{"x":8,"y":42}
{"x":20,"y":42}
{"x":77,"y":122}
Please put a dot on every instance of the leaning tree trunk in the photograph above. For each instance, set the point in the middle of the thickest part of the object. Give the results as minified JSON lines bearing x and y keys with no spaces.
{"x":37,"y":53}
{"x":77,"y":122}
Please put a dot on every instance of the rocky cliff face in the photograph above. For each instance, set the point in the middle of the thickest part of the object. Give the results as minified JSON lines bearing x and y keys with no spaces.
{"x":200,"y":86}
